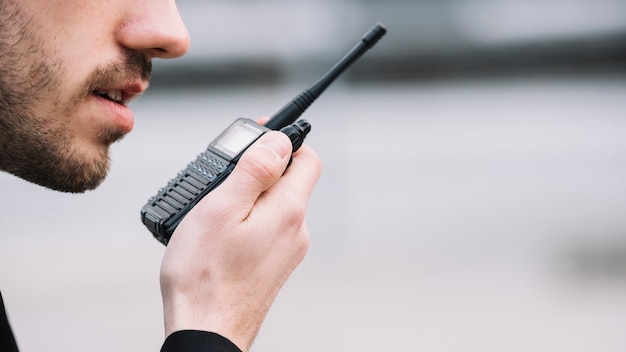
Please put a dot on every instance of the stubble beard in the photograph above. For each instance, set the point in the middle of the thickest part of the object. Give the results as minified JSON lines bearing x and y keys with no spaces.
{"x":38,"y":148}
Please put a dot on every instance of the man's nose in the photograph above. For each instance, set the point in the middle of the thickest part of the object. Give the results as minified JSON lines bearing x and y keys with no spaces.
{"x":154,"y":28}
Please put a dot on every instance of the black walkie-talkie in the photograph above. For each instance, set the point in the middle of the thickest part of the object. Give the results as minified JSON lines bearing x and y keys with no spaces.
{"x":163,"y":212}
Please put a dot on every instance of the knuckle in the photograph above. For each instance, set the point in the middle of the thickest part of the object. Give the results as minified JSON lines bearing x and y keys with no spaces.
{"x":311,"y":158}
{"x":303,"y":243}
{"x":296,"y":211}
{"x":298,"y":214}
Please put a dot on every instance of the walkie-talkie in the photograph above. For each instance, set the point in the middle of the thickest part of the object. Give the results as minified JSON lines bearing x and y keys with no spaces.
{"x":164,"y":211}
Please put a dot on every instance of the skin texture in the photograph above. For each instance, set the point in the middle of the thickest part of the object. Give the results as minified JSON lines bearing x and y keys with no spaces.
{"x":233,"y":252}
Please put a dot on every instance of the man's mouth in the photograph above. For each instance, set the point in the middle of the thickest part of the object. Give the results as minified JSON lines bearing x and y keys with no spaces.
{"x":122,"y":94}
{"x":112,"y":95}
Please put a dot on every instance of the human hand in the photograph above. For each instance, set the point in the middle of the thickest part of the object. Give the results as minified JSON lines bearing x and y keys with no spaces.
{"x":229,"y":257}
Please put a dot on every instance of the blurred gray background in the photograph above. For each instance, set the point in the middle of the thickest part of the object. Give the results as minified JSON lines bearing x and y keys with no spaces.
{"x":473,"y":196}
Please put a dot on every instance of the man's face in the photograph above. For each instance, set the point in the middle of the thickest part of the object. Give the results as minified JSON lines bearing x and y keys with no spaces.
{"x":68,"y":69}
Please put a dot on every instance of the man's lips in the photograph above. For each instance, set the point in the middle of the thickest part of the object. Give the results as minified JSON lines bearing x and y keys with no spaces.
{"x":116,"y":99}
{"x":123,"y":93}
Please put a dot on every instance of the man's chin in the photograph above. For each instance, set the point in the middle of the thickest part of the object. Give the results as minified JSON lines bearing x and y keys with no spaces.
{"x":86,"y":178}
{"x":70,"y":175}
{"x":81,"y":187}
{"x":71,"y":184}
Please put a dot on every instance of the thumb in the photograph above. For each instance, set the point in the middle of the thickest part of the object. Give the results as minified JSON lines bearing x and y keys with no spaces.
{"x":261,"y":165}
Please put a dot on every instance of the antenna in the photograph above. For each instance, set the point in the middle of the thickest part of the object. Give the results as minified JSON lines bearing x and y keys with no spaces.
{"x":292,"y":111}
